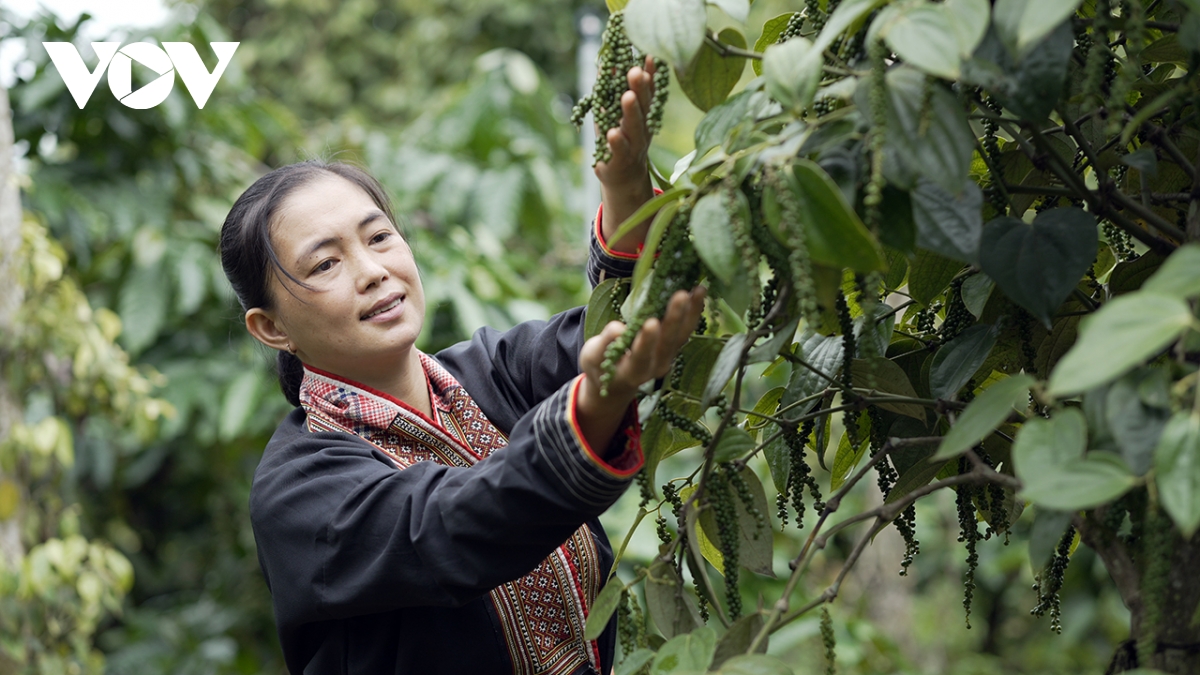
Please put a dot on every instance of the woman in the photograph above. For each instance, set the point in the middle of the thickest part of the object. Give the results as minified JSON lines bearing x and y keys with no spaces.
{"x":435,"y":514}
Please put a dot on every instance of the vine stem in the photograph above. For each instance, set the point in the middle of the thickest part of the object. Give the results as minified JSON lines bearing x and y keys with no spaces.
{"x":729,"y":50}
{"x":831,"y":506}
{"x":1098,"y":203}
{"x":884,"y":515}
{"x":1193,"y":217}
{"x":641,"y":514}
{"x":796,"y":359}
{"x":1158,"y":136}
{"x":692,"y":513}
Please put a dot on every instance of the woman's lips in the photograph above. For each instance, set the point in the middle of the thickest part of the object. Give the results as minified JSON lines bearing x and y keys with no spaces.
{"x":387,"y":310}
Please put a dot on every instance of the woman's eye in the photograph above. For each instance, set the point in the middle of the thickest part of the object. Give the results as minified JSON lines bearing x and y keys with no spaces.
{"x":380,"y":237}
{"x":325,"y":266}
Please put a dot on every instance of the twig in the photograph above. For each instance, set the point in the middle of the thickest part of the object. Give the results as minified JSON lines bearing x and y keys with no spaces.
{"x":642,"y":513}
{"x":796,"y":359}
{"x":1084,"y":299}
{"x":1069,"y":124}
{"x":729,"y":50}
{"x":884,"y":515}
{"x":831,"y":506}
{"x":1040,"y":190}
{"x":1098,"y":205}
{"x":1153,"y":219}
{"x":1163,"y":26}
{"x":1163,"y":197}
{"x":1158,"y":136}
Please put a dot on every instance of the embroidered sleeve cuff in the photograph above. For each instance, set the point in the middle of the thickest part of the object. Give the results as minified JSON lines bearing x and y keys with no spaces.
{"x":596,"y":479}
{"x":603,"y":262}
{"x":599,"y":231}
{"x":623,"y":456}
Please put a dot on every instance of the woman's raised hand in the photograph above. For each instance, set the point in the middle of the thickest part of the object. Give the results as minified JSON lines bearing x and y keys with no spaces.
{"x":649,"y":358}
{"x":625,"y":177}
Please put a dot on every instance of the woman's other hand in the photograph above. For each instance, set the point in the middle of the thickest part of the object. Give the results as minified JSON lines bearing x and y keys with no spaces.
{"x":650,"y":357}
{"x":625,"y":178}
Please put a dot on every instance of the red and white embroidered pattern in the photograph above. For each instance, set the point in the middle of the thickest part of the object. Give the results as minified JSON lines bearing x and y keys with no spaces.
{"x":542,"y":614}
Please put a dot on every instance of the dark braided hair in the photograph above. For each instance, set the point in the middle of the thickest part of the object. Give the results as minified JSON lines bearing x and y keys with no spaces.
{"x":248,"y":257}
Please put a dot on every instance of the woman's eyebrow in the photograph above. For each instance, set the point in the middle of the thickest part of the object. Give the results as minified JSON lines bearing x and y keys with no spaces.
{"x":370,"y":218}
{"x":367,"y":220}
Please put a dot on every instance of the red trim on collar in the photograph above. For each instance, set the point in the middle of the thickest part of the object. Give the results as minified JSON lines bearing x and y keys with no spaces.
{"x":380,"y":394}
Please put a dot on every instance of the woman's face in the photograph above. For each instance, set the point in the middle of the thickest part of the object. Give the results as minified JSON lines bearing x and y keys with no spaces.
{"x":364,"y":305}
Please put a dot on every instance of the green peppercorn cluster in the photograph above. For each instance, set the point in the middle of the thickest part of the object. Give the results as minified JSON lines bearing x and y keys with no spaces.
{"x":991,"y":146}
{"x":885,"y":478}
{"x":829,"y":641}
{"x":799,"y":261}
{"x":626,"y":630}
{"x":873,"y":194}
{"x":647,"y":492}
{"x":1049,"y":582}
{"x":677,"y":268}
{"x":720,"y":499}
{"x":799,"y":472}
{"x":744,"y":243}
{"x":742,"y":488}
{"x":683,"y":423}
{"x":996,"y":500}
{"x":1120,"y":242}
{"x":770,"y":292}
{"x":671,"y":495}
{"x":906,"y":525}
{"x":631,"y":624}
{"x":968,"y":524}
{"x":616,"y":58}
{"x":781,"y":509}
{"x":812,"y":12}
{"x":1025,"y":333}
{"x":664,"y":533}
{"x":958,"y":317}
{"x":927,"y":316}
{"x":662,"y":85}
{"x":849,"y":351}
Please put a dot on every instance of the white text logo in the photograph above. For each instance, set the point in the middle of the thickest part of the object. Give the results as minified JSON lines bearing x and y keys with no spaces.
{"x":179,"y":56}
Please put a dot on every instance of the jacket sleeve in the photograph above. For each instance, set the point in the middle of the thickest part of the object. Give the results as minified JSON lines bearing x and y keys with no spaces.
{"x":342,"y":533}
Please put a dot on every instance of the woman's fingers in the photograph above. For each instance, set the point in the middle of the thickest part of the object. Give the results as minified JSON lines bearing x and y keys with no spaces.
{"x":641,"y":83}
{"x":633,"y":125}
{"x":630,"y":140}
{"x":654,"y":347}
{"x":591,"y":355}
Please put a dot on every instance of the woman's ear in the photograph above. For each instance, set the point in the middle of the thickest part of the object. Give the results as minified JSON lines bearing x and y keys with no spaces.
{"x":267,"y":330}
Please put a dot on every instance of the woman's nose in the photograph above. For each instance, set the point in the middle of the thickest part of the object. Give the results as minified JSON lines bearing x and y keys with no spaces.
{"x":370,"y":272}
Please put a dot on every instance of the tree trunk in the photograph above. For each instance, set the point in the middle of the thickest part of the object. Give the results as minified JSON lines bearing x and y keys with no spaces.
{"x":1170,"y":642}
{"x":1177,"y":648}
{"x":11,"y":295}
